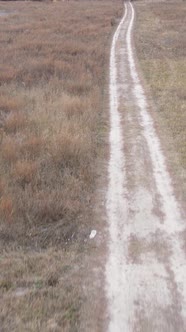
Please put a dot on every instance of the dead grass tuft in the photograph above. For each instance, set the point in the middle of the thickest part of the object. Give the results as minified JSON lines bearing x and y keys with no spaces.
{"x":24,"y":172}
{"x":69,"y":149}
{"x":32,"y":146}
{"x":52,"y":279}
{"x":81,"y":87}
{"x":6,"y":208}
{"x":9,"y":150}
{"x":14,"y":122}
{"x":75,"y":106}
{"x":7,"y":74}
{"x":9,"y":104}
{"x":2,"y":186}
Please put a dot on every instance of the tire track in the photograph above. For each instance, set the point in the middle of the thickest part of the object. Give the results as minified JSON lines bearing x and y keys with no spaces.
{"x":145,"y":281}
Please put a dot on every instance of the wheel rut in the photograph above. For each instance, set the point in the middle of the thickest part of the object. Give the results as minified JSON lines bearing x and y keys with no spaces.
{"x":145,"y":271}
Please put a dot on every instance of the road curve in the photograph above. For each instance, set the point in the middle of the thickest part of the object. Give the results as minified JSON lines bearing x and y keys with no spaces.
{"x":146,"y":267}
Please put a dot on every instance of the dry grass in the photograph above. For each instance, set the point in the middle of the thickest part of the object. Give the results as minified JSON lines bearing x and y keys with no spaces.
{"x":6,"y":208}
{"x":51,"y":83}
{"x":10,"y":103}
{"x":161,"y":48}
{"x":54,"y":59}
{"x":14,"y":122}
{"x":39,"y":284}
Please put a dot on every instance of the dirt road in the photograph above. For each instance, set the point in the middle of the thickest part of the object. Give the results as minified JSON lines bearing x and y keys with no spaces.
{"x":146,"y":268}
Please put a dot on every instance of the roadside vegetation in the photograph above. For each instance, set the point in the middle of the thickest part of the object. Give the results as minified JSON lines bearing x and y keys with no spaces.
{"x":53,"y":66}
{"x":161,"y":48}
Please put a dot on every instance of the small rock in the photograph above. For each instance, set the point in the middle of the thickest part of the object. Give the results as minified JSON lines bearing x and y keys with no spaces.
{"x":92,"y":234}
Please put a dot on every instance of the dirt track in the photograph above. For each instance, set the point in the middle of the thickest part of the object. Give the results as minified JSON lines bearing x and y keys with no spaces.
{"x":145,"y":272}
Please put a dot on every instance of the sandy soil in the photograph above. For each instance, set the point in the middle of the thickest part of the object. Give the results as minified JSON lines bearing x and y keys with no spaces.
{"x":145,"y":271}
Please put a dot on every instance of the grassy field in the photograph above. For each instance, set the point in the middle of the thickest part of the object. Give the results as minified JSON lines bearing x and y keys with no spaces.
{"x":161,"y":48}
{"x":53,"y":67}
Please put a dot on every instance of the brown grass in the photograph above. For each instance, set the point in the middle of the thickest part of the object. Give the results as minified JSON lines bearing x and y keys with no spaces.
{"x":24,"y":171}
{"x":9,"y":152}
{"x":9,"y":103}
{"x":53,"y":64}
{"x":50,"y":100}
{"x":37,"y":284}
{"x":6,"y":208}
{"x":14,"y":122}
{"x":161,"y":48}
{"x":7,"y":74}
{"x":32,"y":146}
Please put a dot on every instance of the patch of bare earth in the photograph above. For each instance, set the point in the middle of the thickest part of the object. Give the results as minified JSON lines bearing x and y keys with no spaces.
{"x":53,"y":64}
